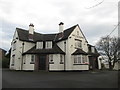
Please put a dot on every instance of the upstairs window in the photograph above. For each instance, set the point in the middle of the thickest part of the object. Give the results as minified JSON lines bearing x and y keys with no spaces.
{"x":78,"y":43}
{"x":39,"y":45}
{"x":48,"y":44}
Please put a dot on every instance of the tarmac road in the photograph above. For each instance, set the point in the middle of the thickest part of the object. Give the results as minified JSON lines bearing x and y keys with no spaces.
{"x":85,"y":79}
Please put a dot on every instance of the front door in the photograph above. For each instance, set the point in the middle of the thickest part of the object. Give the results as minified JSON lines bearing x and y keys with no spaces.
{"x":93,"y":62}
{"x":42,"y":62}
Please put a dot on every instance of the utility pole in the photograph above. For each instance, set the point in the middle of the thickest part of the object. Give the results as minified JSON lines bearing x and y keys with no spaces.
{"x":119,"y":19}
{"x":119,"y":29}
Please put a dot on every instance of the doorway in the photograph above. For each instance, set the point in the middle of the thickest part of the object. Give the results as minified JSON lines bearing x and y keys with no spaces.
{"x":42,"y":62}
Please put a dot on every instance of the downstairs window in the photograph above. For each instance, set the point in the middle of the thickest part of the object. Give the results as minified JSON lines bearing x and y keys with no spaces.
{"x":80,"y":59}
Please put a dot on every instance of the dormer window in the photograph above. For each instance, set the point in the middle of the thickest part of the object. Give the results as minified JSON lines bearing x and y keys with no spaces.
{"x":48,"y":44}
{"x":39,"y":45}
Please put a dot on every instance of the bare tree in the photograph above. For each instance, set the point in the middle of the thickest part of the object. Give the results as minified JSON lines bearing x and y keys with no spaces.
{"x":110,"y":46}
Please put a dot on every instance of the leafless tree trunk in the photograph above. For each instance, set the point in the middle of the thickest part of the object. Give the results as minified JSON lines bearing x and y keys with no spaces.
{"x":110,"y":46}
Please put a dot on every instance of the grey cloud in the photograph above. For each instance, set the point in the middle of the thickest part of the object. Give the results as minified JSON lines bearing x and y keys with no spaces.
{"x":6,"y":6}
{"x":7,"y":32}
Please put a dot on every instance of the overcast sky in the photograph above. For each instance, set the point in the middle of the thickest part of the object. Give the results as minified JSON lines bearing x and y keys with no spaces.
{"x":95,"y":22}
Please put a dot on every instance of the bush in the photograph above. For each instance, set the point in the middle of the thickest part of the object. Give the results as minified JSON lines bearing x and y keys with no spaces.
{"x":5,"y":62}
{"x":102,"y":66}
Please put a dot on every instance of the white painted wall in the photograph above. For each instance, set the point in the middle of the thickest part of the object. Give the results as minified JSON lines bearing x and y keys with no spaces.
{"x":56,"y":66}
{"x":70,"y":43}
{"x":80,"y":67}
{"x":18,"y":51}
{"x":70,"y":48}
{"x":61,"y":44}
{"x":28,"y":45}
{"x":27,"y":65}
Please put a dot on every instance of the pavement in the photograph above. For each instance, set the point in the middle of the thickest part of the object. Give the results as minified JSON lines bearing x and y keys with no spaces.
{"x":84,"y":79}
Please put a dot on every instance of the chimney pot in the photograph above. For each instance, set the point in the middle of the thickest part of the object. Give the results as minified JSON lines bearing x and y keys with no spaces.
{"x":61,"y":23}
{"x":31,"y":25}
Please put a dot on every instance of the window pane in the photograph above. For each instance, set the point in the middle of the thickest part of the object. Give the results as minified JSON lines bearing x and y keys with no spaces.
{"x":51,"y":57}
{"x":39,"y":45}
{"x":49,"y":44}
{"x":61,"y":58}
{"x":79,"y":59}
{"x":75,"y":59}
{"x":32,"y":58}
{"x":83,"y":58}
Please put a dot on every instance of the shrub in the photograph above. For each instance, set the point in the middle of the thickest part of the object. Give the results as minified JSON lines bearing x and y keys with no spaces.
{"x":5,"y":62}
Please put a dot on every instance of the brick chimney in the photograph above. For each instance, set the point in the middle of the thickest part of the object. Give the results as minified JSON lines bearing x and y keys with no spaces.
{"x":61,"y":31}
{"x":61,"y":27}
{"x":31,"y":31}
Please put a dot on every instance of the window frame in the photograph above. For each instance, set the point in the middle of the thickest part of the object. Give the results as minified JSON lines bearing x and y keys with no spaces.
{"x":39,"y":45}
{"x":61,"y":59}
{"x":80,"y":60}
{"x":51,"y":59}
{"x":32,"y":61}
{"x":48,"y":44}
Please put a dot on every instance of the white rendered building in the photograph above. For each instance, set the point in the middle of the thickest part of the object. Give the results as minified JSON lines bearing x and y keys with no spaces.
{"x":64,"y":51}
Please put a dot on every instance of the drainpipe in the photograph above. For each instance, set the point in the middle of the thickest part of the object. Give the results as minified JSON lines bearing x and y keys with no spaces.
{"x":22,"y":56}
{"x":64,"y":55}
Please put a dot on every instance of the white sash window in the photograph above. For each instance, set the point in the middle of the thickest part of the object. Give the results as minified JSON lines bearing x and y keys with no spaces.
{"x":39,"y":45}
{"x":80,"y":59}
{"x":48,"y":44}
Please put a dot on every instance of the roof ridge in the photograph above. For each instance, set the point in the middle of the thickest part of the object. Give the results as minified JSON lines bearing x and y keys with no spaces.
{"x":71,"y":27}
{"x":46,"y":33}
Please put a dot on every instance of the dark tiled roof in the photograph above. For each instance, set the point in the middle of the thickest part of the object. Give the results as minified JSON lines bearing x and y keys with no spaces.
{"x":54,"y":50}
{"x":67,"y":32}
{"x":79,"y":51}
{"x":90,"y":51}
{"x":23,"y":35}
